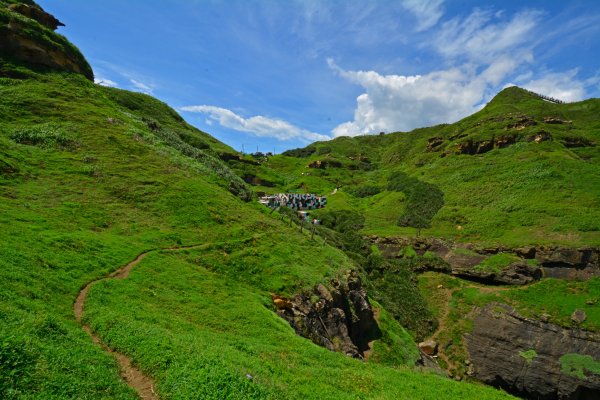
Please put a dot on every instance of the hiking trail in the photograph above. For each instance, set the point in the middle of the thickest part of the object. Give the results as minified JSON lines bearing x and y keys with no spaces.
{"x":133,"y":376}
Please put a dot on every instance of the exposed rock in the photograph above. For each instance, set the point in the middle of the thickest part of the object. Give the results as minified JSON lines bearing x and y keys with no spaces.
{"x":318,"y":164}
{"x":518,"y":273}
{"x":462,"y":260}
{"x":555,"y":120}
{"x":522,"y":122}
{"x":541,"y":136}
{"x":429,"y":347}
{"x":35,"y":12}
{"x":527,"y":357}
{"x":433,"y":143}
{"x":473,"y":148}
{"x":578,"y":316}
{"x":35,"y":45}
{"x":256,"y":181}
{"x":527,"y":252}
{"x":578,"y":142}
{"x":339,"y":318}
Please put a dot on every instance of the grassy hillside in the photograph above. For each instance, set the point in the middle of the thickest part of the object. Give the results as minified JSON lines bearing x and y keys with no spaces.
{"x":89,"y":178}
{"x":534,"y":177}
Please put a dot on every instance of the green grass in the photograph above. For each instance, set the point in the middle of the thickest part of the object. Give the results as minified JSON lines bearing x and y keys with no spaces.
{"x":497,"y":262}
{"x":549,"y":195}
{"x":579,"y":366}
{"x":197,"y":321}
{"x":528,"y":355}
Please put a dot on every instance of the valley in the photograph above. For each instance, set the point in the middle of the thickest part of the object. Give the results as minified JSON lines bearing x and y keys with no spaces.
{"x":458,"y":261}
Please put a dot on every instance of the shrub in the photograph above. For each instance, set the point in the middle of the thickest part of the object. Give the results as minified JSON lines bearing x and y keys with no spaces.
{"x":423,"y":200}
{"x":300,"y":153}
{"x":365,"y":191}
{"x":44,"y":135}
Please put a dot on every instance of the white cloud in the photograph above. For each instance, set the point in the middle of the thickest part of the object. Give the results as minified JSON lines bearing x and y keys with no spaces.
{"x":479,"y":38}
{"x":396,"y":102}
{"x":105,"y":82}
{"x":560,"y":85}
{"x":142,"y":87}
{"x":258,"y":125}
{"x":427,"y":12}
{"x":483,"y":51}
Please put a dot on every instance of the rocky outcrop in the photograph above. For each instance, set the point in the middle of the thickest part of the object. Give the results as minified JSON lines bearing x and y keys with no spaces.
{"x":318,"y":164}
{"x":522,"y":122}
{"x":533,"y":359}
{"x":462,"y":260}
{"x":36,"y":13}
{"x":539,"y":137}
{"x":434,"y":143}
{"x":518,"y":273}
{"x":556,"y":120}
{"x":473,"y":148}
{"x":26,"y":35}
{"x":577,"y":142}
{"x":339,"y":318}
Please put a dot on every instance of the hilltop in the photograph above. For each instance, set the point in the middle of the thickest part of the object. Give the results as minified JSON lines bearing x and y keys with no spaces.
{"x":520,"y":171}
{"x":121,"y":220}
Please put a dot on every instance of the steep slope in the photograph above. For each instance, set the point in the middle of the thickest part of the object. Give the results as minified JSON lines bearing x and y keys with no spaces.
{"x":91,"y":177}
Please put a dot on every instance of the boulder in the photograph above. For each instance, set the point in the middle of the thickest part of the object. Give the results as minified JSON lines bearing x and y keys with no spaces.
{"x":429,"y":347}
{"x":578,"y":316}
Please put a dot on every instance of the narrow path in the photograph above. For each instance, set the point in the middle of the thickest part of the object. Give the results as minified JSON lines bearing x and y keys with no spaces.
{"x":143,"y":384}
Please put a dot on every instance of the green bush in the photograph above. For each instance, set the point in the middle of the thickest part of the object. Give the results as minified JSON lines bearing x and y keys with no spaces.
{"x":423,"y":200}
{"x":44,"y":135}
{"x":365,"y":191}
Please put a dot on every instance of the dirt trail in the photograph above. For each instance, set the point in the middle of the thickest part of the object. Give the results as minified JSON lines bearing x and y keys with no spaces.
{"x":135,"y":378}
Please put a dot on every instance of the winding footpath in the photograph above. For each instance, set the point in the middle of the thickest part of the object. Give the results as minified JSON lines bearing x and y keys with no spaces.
{"x":135,"y":378}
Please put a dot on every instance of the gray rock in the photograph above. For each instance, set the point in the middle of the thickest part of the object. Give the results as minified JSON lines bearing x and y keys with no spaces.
{"x":578,"y":316}
{"x":523,"y":356}
{"x":338,"y":317}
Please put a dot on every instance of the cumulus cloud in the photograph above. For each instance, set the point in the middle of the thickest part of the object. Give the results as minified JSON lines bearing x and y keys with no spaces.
{"x":105,"y":82}
{"x":427,"y":12}
{"x":483,"y":52}
{"x":397,"y":102}
{"x":258,"y":125}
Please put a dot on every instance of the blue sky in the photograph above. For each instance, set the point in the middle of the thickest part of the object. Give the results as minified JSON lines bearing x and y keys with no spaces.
{"x":275,"y":75}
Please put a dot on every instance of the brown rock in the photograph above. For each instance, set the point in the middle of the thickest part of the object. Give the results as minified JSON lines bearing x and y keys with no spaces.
{"x":20,"y":42}
{"x":578,"y":316}
{"x":340,"y":319}
{"x":429,"y":347}
{"x":36,"y":13}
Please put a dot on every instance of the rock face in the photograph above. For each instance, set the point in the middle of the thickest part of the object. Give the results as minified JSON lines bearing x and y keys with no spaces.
{"x":533,"y":359}
{"x":35,"y":12}
{"x":26,"y":35}
{"x":462,"y":260}
{"x":339,"y":318}
{"x":472,"y":148}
